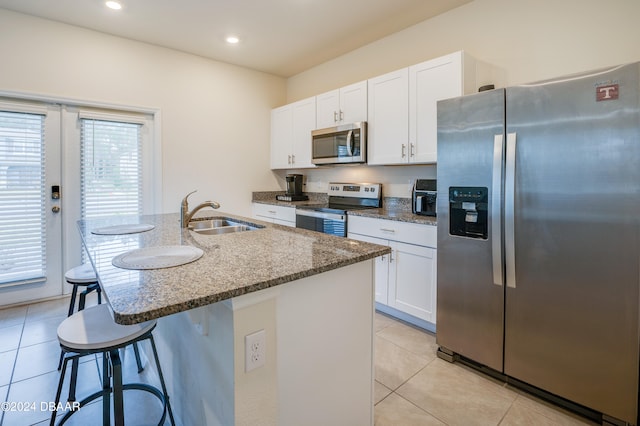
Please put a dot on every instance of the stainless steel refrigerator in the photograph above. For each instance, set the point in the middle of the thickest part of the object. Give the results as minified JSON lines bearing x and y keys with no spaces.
{"x":539,"y":235}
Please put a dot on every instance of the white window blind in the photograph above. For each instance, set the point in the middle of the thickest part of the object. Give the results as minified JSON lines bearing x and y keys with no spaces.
{"x":111,"y":168}
{"x":22,"y":198}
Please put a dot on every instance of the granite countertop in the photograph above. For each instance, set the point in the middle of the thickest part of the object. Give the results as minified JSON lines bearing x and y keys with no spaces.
{"x":232,"y":265}
{"x":394,"y":208}
{"x":269,"y":197}
{"x":392,"y":213}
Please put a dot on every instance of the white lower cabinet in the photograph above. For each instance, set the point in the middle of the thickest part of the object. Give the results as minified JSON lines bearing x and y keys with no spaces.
{"x":280,"y":215}
{"x":406,"y":279}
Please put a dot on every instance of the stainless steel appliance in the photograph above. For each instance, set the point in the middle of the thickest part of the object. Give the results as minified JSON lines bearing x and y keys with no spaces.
{"x":331,"y":218}
{"x":539,"y":236}
{"x":339,"y":145}
{"x":294,"y":189}
{"x":425,"y":192}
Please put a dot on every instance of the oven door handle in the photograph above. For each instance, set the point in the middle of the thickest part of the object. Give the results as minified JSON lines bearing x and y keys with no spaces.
{"x":321,"y":215}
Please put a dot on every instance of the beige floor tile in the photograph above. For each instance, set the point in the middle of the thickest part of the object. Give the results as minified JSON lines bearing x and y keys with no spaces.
{"x":10,"y":337}
{"x":395,"y":411}
{"x":12,"y":316}
{"x":380,"y":392}
{"x":395,"y":365}
{"x":36,"y":360}
{"x":382,"y":321}
{"x":50,"y":309}
{"x":7,"y":361}
{"x":419,"y":342}
{"x":458,"y":396}
{"x":41,"y":331}
{"x":42,"y":389}
{"x":529,"y":410}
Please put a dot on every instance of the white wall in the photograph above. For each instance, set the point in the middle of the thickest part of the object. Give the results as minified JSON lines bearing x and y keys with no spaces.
{"x":215,"y":117}
{"x":528,"y":40}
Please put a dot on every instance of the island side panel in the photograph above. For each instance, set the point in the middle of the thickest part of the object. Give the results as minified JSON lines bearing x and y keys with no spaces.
{"x":319,"y":354}
{"x":196,"y":350}
{"x":325,"y":348}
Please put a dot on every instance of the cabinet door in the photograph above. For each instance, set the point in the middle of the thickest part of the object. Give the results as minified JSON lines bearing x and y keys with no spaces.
{"x":412,"y":280}
{"x":274,"y":214}
{"x":381,"y":268}
{"x":327,"y":109}
{"x":353,"y":103}
{"x":388,"y":124}
{"x":281,"y":137}
{"x":430,"y":82}
{"x":303,"y":122}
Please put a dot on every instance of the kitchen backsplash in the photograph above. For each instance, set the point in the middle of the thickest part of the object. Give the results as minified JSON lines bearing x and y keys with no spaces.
{"x":397,"y":181}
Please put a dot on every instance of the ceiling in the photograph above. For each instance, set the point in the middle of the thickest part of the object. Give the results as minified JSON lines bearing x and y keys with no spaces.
{"x":281,"y":37}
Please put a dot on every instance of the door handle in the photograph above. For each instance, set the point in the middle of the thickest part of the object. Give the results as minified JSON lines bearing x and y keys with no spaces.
{"x":509,"y":210}
{"x":496,"y":211}
{"x":55,"y":209}
{"x":350,"y":143}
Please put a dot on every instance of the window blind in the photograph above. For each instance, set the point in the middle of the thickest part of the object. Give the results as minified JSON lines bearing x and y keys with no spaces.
{"x":22,"y":198}
{"x":111,"y":168}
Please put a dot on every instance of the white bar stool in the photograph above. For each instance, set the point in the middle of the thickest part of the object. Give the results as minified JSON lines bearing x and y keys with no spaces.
{"x":84,"y":276}
{"x":93,"y":331}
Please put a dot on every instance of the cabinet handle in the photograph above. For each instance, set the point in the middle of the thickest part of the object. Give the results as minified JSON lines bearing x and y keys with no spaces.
{"x":272,"y":211}
{"x":293,"y":159}
{"x":335,"y":116}
{"x":341,"y":115}
{"x":413,"y":150}
{"x":404,"y":150}
{"x":391,"y":257}
{"x":393,"y":231}
{"x":288,"y":159}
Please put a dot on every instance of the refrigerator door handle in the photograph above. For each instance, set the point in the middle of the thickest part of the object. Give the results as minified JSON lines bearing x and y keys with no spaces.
{"x":509,"y":209}
{"x":496,"y":226}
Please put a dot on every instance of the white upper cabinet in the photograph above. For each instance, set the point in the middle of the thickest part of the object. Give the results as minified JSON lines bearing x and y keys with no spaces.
{"x":291,"y":127}
{"x":340,"y":106}
{"x":425,"y":84}
{"x":400,"y":108}
{"x":388,"y":124}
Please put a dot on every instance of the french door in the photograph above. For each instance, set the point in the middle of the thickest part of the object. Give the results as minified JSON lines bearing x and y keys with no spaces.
{"x":30,"y":209}
{"x":59,"y":164}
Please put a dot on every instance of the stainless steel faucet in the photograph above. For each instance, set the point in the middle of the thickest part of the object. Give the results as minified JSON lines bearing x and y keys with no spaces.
{"x":186,"y":215}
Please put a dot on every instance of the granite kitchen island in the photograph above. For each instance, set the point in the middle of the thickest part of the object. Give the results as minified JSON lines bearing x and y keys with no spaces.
{"x":311,"y":294}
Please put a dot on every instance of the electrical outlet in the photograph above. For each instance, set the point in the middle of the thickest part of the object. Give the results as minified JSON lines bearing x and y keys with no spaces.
{"x":255,"y":350}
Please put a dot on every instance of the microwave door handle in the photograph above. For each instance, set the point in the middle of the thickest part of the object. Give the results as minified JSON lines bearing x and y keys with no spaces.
{"x":350,"y":143}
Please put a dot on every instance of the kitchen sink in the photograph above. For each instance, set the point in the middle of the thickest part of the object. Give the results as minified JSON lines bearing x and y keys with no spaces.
{"x":220,"y":225}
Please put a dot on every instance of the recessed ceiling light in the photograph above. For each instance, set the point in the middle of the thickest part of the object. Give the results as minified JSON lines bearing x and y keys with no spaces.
{"x":232,"y":40}
{"x":113,"y":5}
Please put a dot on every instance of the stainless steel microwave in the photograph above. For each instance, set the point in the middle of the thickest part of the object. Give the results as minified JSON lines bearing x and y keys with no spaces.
{"x":339,"y":145}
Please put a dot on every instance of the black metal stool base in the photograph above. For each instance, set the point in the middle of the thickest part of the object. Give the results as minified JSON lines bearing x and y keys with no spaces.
{"x":112,"y":383}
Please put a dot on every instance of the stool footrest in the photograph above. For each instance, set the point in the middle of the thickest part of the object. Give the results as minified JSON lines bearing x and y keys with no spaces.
{"x":129,"y":386}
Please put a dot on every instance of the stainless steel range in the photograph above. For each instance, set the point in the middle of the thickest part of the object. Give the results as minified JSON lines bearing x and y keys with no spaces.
{"x":331,"y":218}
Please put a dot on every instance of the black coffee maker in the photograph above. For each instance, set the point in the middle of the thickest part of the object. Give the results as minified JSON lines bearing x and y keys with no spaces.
{"x":294,"y":189}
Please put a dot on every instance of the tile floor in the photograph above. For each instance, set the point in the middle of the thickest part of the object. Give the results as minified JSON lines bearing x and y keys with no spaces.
{"x":413,"y":386}
{"x":29,"y":354}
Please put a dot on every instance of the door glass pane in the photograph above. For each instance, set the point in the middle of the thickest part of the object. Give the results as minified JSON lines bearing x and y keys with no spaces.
{"x":111,"y":176}
{"x":22,"y":198}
